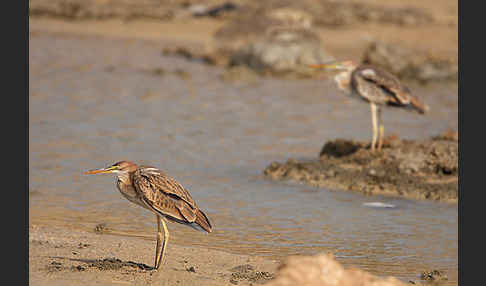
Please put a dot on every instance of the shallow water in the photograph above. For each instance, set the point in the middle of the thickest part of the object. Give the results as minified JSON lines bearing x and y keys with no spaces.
{"x":94,"y":101}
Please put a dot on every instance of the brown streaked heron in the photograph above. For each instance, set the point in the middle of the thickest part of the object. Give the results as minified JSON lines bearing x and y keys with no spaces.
{"x":154,"y":190}
{"x":376,"y":86}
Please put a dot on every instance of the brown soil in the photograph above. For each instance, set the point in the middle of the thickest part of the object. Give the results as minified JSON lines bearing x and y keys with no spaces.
{"x":425,"y":169}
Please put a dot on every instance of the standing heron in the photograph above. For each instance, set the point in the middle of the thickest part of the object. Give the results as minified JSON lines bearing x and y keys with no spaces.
{"x":376,"y":86}
{"x":152,"y":189}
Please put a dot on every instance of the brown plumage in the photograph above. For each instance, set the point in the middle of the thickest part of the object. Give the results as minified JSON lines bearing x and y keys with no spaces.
{"x":154,"y":190}
{"x":171,"y":199}
{"x":380,"y":87}
{"x":376,"y":86}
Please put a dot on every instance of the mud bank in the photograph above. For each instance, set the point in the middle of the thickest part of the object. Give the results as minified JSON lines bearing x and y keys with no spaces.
{"x":426,"y":169}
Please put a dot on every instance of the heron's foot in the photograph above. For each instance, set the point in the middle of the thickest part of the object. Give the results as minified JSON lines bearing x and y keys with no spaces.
{"x":372,"y":147}
{"x":381,"y":136}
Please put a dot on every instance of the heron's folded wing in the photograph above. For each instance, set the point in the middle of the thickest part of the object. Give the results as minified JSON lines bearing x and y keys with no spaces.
{"x":389,"y":83}
{"x":164,"y":194}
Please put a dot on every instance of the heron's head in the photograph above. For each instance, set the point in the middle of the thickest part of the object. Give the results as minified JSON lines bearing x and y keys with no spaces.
{"x":345,"y":68}
{"x":119,"y":168}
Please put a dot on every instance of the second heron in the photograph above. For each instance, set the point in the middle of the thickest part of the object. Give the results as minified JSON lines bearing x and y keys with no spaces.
{"x":376,"y":86}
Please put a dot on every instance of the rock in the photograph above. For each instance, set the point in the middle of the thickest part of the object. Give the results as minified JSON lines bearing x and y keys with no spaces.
{"x":282,"y":50}
{"x":201,"y":10}
{"x":425,"y":169}
{"x":273,"y":40}
{"x":291,"y":17}
{"x":324,"y":270}
{"x":198,"y":10}
{"x":340,"y":147}
{"x":101,"y":228}
{"x":409,"y":64}
{"x":433,"y":275}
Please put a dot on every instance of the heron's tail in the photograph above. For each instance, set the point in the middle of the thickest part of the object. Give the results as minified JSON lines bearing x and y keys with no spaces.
{"x":203,"y":221}
{"x":418,"y":105}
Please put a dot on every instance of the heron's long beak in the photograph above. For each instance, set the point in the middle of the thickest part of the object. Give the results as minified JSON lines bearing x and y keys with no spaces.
{"x":331,"y":65}
{"x":101,"y":171}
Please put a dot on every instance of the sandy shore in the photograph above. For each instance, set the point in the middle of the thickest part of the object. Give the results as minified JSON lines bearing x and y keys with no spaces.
{"x":59,"y":256}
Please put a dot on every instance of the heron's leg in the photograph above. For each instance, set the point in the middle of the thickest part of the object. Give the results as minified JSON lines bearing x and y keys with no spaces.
{"x":375,"y":128}
{"x":166,"y":239}
{"x":381,"y":129}
{"x":159,"y":239}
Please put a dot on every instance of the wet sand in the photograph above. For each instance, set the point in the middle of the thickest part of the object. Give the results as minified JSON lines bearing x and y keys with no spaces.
{"x":60,"y":256}
{"x":63,"y":256}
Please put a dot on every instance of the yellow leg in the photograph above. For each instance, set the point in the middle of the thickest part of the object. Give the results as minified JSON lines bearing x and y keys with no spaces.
{"x":374,"y":122}
{"x":159,"y":239}
{"x":166,"y":239}
{"x":381,"y":136}
{"x":381,"y":130}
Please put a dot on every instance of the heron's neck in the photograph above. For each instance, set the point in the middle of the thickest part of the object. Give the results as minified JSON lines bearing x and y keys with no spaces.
{"x":343,"y":80}
{"x":125,"y":178}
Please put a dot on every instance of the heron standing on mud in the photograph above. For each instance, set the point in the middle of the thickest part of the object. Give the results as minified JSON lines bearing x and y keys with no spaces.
{"x":376,"y":86}
{"x":152,"y":189}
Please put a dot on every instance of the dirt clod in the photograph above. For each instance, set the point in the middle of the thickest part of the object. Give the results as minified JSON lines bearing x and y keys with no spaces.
{"x":78,"y":268}
{"x":54,"y":266}
{"x":82,"y":245}
{"x":433,"y":275}
{"x":101,"y":228}
{"x":116,"y":264}
{"x":340,"y":147}
{"x":248,"y":272}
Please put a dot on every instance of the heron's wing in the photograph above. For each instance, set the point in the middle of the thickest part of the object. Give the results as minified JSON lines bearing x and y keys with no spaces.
{"x":164,"y":194}
{"x":388,"y":83}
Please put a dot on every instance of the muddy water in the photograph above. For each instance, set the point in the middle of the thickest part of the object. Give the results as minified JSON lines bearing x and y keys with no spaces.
{"x":94,"y":101}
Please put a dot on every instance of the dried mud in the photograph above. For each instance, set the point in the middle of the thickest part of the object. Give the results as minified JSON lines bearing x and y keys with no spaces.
{"x":99,"y":264}
{"x":426,"y":169}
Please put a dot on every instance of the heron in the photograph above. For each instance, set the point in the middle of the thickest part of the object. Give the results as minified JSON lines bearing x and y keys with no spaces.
{"x":378,"y":87}
{"x":155,"y":191}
